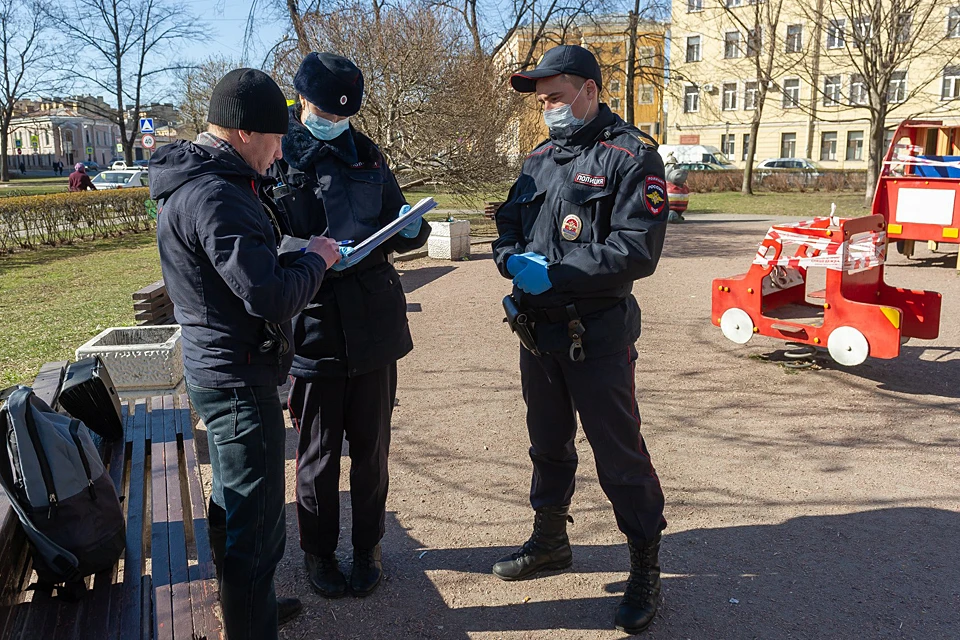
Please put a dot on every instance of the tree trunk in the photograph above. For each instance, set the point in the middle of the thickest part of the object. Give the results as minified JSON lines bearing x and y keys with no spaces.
{"x":875,"y":153}
{"x":814,"y":78}
{"x":632,"y":64}
{"x":746,"y":188}
{"x":4,"y":168}
{"x":302,"y":41}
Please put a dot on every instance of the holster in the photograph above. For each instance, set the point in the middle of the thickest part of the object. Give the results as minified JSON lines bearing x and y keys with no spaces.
{"x":520,"y":324}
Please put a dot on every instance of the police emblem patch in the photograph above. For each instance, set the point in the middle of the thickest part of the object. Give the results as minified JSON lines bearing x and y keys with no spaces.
{"x":572,"y":226}
{"x":654,"y":194}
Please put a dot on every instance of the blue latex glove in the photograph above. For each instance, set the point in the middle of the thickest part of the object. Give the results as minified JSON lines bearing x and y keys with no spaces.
{"x":412,"y":230}
{"x":344,"y":252}
{"x":533,"y":279}
{"x":518,"y":261}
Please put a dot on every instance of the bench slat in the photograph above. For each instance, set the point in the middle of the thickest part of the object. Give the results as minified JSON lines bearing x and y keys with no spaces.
{"x":203,"y":576}
{"x":179,"y":585}
{"x":133,"y":565}
{"x":150,"y":291}
{"x":160,"y":539}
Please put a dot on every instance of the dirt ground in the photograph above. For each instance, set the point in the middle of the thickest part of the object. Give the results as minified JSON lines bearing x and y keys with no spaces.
{"x":823,"y":503}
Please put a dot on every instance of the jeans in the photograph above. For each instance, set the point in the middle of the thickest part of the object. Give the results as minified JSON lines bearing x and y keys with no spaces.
{"x":246,"y":432}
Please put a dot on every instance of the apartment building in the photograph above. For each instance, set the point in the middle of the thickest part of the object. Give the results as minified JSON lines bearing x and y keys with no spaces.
{"x":608,"y":38}
{"x":811,"y":110}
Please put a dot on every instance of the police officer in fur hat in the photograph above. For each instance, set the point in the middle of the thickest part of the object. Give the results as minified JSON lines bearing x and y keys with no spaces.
{"x":335,"y":182}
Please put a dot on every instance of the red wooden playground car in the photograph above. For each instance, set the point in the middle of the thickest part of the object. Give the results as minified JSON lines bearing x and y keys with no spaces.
{"x":918,"y":191}
{"x":856,"y":315}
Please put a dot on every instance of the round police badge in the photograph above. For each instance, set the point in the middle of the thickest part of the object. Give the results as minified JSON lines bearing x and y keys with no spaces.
{"x":572,"y":226}
{"x":343,"y":99}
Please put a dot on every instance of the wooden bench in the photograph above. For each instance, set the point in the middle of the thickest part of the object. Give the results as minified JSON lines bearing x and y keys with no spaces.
{"x":490,"y":209}
{"x":164,"y":586}
{"x":152,"y":305}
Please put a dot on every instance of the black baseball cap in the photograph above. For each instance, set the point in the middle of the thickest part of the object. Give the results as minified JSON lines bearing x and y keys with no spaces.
{"x":567,"y":58}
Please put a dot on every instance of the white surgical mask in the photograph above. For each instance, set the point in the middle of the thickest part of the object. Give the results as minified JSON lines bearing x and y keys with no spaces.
{"x":324,"y":129}
{"x":561,"y":120}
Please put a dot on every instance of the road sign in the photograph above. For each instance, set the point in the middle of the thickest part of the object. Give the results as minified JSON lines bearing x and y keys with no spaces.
{"x":119,"y":148}
{"x":146,"y":125}
{"x":35,"y":141}
{"x":18,"y":143}
{"x":148,"y":141}
{"x":89,"y":151}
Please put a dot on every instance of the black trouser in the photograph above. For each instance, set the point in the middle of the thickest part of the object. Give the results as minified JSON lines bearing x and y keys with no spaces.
{"x":602,"y":391}
{"x":323,"y":409}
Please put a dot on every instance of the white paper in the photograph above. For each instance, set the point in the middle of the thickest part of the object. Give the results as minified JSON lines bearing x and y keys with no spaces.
{"x":366,"y":247}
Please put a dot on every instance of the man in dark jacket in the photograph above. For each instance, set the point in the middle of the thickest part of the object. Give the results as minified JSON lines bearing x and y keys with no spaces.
{"x":585,"y":220}
{"x":348,"y":340}
{"x":79,"y":180}
{"x":234,"y":299}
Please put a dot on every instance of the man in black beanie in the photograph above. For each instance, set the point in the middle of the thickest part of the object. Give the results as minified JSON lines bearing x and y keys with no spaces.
{"x":234,"y":298}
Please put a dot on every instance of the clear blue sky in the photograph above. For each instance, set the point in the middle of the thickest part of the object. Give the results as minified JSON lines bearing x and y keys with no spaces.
{"x":227,"y":20}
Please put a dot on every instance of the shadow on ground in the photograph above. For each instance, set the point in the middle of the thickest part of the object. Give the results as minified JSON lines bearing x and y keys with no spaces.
{"x":883,"y":573}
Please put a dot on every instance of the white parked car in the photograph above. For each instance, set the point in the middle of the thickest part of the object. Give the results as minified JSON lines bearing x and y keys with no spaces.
{"x":118,"y":176}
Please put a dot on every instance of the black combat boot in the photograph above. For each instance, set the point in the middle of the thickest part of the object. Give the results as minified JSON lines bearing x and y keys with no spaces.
{"x":548,"y":549}
{"x":288,"y":609}
{"x":324,"y":575}
{"x":367,"y":571}
{"x":642,"y":595}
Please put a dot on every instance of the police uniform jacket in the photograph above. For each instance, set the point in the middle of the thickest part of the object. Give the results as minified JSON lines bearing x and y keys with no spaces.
{"x":343,"y":189}
{"x":218,"y":252}
{"x":595,"y":205}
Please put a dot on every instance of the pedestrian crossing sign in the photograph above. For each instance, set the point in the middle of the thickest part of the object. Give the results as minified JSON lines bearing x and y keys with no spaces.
{"x":146,"y":125}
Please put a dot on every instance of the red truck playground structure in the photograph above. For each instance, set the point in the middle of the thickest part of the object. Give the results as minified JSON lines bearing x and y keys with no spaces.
{"x":918,"y":192}
{"x":855,"y":315}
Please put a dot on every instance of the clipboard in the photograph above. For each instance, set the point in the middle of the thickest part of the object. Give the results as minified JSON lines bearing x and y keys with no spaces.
{"x":366,"y":247}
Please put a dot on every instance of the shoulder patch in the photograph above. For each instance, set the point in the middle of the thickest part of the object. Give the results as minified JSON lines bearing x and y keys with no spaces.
{"x":654,"y":194}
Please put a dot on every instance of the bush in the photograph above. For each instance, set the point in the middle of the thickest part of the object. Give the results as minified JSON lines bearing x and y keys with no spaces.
{"x":778,"y":181}
{"x":61,"y":218}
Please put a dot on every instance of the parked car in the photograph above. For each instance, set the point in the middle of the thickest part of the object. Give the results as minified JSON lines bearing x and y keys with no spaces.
{"x":121,"y":178}
{"x":701,"y":166}
{"x":695,"y":153}
{"x":803,"y":169}
{"x":92,"y":167}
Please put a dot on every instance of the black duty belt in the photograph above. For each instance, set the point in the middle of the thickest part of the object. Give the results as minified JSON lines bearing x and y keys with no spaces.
{"x":374,"y":259}
{"x":582,"y":307}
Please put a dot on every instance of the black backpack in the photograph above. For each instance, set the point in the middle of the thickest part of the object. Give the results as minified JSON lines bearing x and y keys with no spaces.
{"x":57,"y":484}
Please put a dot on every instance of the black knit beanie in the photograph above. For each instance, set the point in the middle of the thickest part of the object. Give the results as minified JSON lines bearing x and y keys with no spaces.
{"x":249,"y":100}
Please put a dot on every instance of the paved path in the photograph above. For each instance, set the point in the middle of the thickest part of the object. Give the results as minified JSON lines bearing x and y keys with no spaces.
{"x":818,"y":504}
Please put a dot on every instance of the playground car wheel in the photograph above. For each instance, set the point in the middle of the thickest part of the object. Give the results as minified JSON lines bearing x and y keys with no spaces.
{"x":736,"y":325}
{"x":848,"y":346}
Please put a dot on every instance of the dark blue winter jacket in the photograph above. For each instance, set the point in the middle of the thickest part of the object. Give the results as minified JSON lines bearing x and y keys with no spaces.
{"x":218,"y":252}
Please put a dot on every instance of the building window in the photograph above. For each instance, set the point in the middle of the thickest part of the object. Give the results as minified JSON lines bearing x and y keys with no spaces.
{"x":791,"y":93}
{"x":646,"y":94}
{"x":694,"y":6}
{"x":615,"y":104}
{"x":693,"y":48}
{"x":828,"y":146}
{"x":731,"y":44}
{"x":862,"y":30}
{"x":754,"y":41}
{"x":953,"y":23}
{"x":858,"y":90}
{"x":951,"y":83}
{"x":745,"y":147}
{"x":615,"y":86}
{"x":647,"y":56}
{"x":750,"y":96}
{"x":854,"y":145}
{"x":835,"y":34}
{"x":887,"y":139}
{"x":734,"y":3}
{"x":794,"y":38}
{"x":646,"y":128}
{"x":831,"y":91}
{"x":728,"y":144}
{"x":904,"y":26}
{"x":788,"y":145}
{"x":691,"y":99}
{"x":897,"y":91}
{"x":729,"y":96}
{"x":46,"y":138}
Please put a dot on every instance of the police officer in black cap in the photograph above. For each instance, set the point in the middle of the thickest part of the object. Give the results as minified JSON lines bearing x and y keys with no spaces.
{"x":335,"y":182}
{"x":584,"y":220}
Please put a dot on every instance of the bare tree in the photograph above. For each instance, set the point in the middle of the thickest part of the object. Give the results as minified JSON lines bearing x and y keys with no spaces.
{"x":23,"y":64}
{"x":132,"y":43}
{"x":876,"y":41}
{"x":194,"y":91}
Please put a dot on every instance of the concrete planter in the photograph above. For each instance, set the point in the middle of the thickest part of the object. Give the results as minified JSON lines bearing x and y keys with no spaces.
{"x":142,"y":361}
{"x":449,"y":240}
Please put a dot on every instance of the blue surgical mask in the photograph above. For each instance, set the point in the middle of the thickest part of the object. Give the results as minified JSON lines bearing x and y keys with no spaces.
{"x":561,"y":121}
{"x":324,"y":129}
